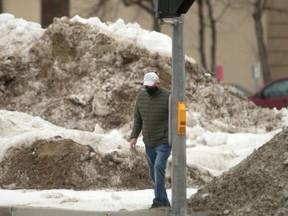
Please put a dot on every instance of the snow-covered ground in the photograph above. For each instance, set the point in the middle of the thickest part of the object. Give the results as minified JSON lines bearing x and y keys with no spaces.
{"x":209,"y":151}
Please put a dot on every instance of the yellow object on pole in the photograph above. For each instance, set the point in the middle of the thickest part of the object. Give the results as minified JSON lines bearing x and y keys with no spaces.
{"x":181,"y":118}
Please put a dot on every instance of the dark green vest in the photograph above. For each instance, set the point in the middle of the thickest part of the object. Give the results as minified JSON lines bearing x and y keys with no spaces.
{"x":151,"y":115}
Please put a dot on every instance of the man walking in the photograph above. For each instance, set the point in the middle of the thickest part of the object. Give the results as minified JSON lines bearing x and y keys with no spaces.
{"x":151,"y":116}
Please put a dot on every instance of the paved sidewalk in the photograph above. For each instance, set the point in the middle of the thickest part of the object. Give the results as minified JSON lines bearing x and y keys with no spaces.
{"x":39,"y":211}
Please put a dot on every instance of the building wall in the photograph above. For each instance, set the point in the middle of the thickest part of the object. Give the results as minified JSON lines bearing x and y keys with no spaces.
{"x":27,"y":9}
{"x":277,"y":36}
{"x":236,"y":45}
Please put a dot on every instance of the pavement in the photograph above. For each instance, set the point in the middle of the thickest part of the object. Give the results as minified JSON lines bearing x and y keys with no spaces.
{"x":40,"y":211}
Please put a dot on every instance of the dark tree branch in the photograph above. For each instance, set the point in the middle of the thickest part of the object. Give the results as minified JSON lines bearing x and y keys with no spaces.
{"x":201,"y":33}
{"x":259,"y":7}
{"x":148,"y":6}
{"x":98,"y":8}
{"x":213,"y":36}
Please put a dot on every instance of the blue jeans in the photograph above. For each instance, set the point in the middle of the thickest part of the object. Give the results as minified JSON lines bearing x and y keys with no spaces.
{"x":157,"y":160}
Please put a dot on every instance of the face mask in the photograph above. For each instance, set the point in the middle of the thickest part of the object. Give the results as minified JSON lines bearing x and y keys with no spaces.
{"x":151,"y":90}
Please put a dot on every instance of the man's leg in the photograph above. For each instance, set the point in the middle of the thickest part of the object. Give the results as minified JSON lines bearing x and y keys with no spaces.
{"x":162,"y":154}
{"x":151,"y":156}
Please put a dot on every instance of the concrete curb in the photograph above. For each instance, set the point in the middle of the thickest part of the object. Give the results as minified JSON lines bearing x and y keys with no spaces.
{"x":40,"y":211}
{"x":5,"y":211}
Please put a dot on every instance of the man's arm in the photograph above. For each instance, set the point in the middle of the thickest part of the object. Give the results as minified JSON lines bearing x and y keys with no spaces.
{"x":137,"y":127}
{"x":133,"y":144}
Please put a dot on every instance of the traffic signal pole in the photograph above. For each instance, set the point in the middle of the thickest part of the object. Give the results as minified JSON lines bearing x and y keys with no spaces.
{"x":177,"y":123}
{"x":170,"y":12}
{"x":178,"y":136}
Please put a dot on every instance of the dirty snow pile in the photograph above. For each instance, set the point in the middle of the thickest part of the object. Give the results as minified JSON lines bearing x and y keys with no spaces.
{"x":78,"y":73}
{"x":67,"y":98}
{"x":257,"y":186}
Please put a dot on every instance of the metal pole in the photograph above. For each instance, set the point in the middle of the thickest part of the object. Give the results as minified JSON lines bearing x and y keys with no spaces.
{"x":178,"y":141}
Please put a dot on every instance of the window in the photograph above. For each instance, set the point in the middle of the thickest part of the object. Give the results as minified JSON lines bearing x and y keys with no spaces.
{"x":278,"y":89}
{"x":51,"y":9}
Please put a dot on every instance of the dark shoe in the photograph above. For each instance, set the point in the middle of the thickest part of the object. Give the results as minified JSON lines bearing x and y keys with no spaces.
{"x":158,"y":205}
{"x":155,"y":205}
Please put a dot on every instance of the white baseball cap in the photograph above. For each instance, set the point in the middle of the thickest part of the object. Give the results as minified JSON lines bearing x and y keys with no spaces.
{"x":150,"y":79}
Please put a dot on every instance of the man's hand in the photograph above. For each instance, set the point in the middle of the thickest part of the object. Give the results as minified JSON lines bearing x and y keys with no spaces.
{"x":133,"y":144}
